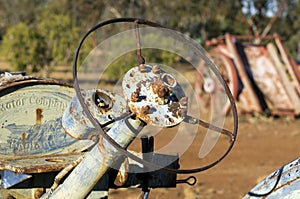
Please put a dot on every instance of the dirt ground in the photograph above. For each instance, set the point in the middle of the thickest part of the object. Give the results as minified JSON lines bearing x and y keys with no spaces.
{"x":263,"y":145}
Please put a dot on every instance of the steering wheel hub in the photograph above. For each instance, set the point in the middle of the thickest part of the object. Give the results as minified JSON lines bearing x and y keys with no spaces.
{"x":154,"y":96}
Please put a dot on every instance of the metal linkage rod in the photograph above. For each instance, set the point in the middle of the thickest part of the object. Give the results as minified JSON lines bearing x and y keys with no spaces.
{"x":98,"y":161}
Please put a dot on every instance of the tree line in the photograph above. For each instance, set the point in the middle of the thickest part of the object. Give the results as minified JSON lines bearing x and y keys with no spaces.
{"x":37,"y":34}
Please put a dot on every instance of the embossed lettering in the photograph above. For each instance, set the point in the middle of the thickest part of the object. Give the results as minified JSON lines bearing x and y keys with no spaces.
{"x":48,"y":102}
{"x":11,"y":104}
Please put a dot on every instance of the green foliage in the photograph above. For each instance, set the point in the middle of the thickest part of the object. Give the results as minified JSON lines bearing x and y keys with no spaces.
{"x":13,"y":12}
{"x":122,"y":64}
{"x":52,"y":41}
{"x":292,"y":21}
{"x":24,"y":46}
{"x":41,"y":33}
{"x":61,"y":37}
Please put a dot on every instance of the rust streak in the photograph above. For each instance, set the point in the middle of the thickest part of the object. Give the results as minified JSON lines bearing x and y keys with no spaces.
{"x":24,"y":136}
{"x":145,"y":110}
{"x":38,"y":113}
{"x":135,"y":95}
{"x":160,"y":89}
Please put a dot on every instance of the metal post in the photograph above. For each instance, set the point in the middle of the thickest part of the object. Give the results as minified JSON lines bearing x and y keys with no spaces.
{"x":95,"y":164}
{"x":147,"y":147}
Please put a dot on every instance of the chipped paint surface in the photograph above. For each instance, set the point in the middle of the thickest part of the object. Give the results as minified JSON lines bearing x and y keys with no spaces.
{"x":30,"y":117}
{"x":154,"y":96}
{"x":104,"y":107}
{"x":97,"y":161}
{"x":266,"y":77}
{"x":283,"y":183}
{"x":31,"y":132}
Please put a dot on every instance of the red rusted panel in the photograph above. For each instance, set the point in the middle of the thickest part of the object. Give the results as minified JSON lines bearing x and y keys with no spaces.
{"x":267,"y":78}
{"x":248,"y":93}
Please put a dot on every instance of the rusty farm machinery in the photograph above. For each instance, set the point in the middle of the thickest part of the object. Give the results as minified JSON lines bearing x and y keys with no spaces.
{"x":261,"y":76}
{"x":72,"y":141}
{"x":64,"y":141}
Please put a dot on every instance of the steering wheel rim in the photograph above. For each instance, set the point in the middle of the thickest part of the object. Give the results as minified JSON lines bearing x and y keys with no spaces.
{"x":116,"y":145}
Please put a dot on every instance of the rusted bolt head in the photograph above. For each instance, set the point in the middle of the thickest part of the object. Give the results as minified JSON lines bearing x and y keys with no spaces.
{"x":169,"y":80}
{"x":145,"y":110}
{"x":183,"y":101}
{"x":142,"y":68}
{"x":182,"y":112}
{"x":160,"y":89}
{"x":38,"y":193}
{"x":135,"y":95}
{"x":101,"y":103}
{"x":156,"y":68}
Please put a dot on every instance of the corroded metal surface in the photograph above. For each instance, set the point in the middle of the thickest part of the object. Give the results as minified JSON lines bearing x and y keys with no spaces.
{"x":31,"y":129}
{"x":285,"y":79}
{"x":97,"y":161}
{"x":248,"y":94}
{"x":168,"y":79}
{"x":43,"y":163}
{"x":267,"y":67}
{"x":10,"y":83}
{"x":104,"y":106}
{"x":30,"y":117}
{"x":8,"y":80}
{"x":293,"y":74}
{"x":207,"y":86}
{"x":267,"y":78}
{"x":283,"y":183}
{"x":22,"y":193}
{"x":154,"y":96}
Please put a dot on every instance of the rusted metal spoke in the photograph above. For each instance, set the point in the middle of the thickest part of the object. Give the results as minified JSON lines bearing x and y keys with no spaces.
{"x":192,"y":47}
{"x":141,"y":59}
{"x":192,"y":120}
{"x":117,"y":119}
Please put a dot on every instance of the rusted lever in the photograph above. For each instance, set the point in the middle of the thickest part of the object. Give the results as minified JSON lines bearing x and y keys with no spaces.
{"x":192,"y":180}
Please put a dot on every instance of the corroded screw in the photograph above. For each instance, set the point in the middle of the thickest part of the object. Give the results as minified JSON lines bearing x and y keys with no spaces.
{"x":145,"y":110}
{"x":135,"y":95}
{"x":182,"y":112}
{"x":183,"y":101}
{"x":142,"y":68}
{"x":156,"y":68}
{"x":160,"y":89}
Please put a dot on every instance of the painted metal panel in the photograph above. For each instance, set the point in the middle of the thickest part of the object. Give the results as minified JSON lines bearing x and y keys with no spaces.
{"x":267,"y":78}
{"x":32,"y":137}
{"x":283,"y":183}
